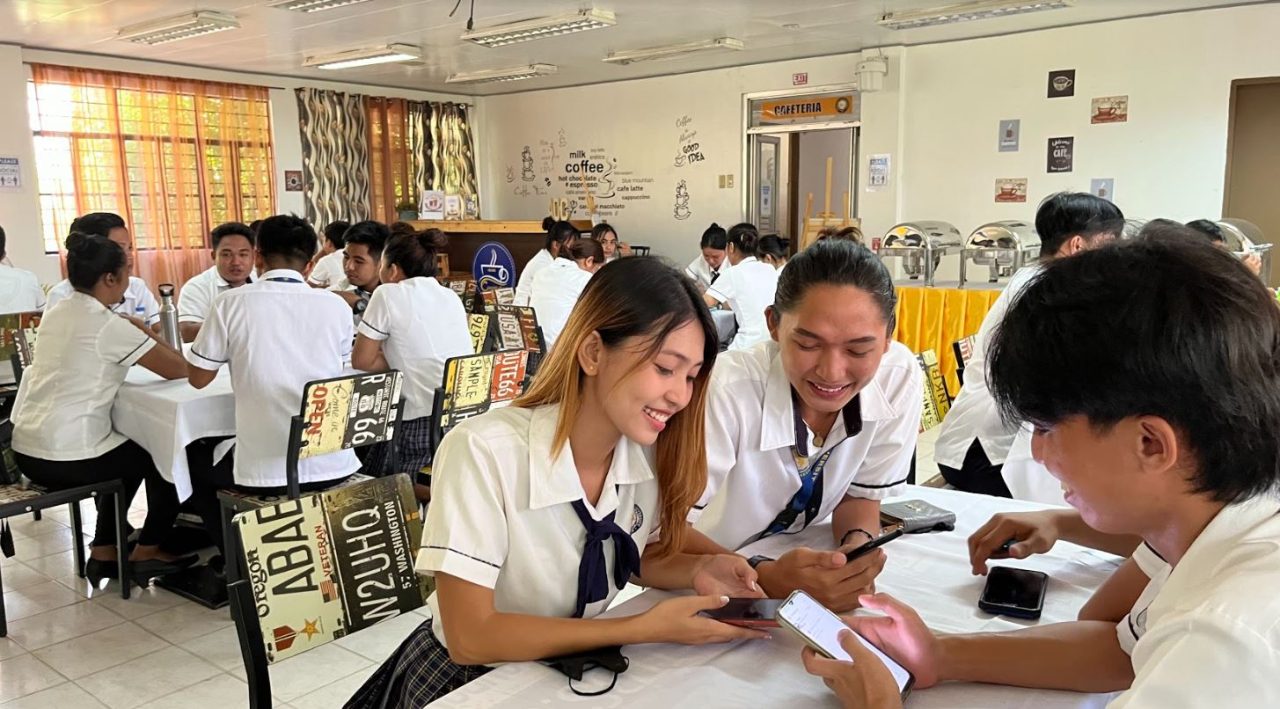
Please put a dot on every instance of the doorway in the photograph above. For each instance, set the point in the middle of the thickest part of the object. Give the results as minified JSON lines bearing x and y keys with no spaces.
{"x":1253,"y":158}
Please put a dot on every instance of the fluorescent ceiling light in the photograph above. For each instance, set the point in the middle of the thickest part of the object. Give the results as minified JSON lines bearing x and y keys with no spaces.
{"x":673,"y":51}
{"x":313,"y":5}
{"x":365,"y":57}
{"x":964,"y":12}
{"x":171,"y":29}
{"x":491,"y":75}
{"x":541,"y":27}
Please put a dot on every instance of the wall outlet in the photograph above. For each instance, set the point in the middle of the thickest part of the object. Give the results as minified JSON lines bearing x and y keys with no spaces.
{"x":728,"y":179}
{"x":721,"y":181}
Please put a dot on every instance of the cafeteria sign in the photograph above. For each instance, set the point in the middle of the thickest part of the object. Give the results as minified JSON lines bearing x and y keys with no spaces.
{"x":810,"y":109}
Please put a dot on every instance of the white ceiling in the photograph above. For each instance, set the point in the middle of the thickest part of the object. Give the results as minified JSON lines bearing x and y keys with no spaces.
{"x":275,"y":41}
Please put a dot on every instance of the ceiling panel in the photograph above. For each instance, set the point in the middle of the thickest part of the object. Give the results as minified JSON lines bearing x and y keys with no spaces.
{"x":277,"y":41}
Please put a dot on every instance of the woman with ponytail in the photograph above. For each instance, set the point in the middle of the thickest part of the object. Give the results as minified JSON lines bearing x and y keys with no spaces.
{"x":413,"y":324}
{"x":560,"y":236}
{"x":747,"y":289}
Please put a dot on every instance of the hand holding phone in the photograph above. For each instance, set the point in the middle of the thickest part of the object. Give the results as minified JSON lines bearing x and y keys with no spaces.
{"x":872,"y":544}
{"x":746,"y":612}
{"x":820,"y":629}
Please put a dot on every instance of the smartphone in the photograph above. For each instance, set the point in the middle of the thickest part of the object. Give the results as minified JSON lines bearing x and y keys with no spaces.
{"x":873,"y":544}
{"x":1018,"y":593}
{"x":820,"y":629}
{"x":747,"y":612}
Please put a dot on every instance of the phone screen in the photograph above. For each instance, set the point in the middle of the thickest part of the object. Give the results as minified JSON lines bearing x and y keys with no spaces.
{"x":1017,"y":588}
{"x":821,"y":629}
{"x":751,"y":612}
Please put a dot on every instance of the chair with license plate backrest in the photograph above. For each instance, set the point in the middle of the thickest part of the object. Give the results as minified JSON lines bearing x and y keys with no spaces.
{"x":320,"y":568}
{"x":936,"y":402}
{"x":964,"y":352}
{"x":487,"y":300}
{"x":515,"y":327}
{"x":481,"y":334}
{"x":473,"y":384}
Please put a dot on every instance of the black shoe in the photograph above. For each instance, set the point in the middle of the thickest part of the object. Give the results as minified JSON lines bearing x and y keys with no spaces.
{"x":143,"y":571}
{"x":97,"y":569}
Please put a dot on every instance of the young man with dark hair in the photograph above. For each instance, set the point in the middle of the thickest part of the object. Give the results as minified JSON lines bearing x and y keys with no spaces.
{"x":1214,"y":232}
{"x":20,"y":292}
{"x":138,"y":302}
{"x":232,"y":267}
{"x":327,"y":270}
{"x":276,"y":334}
{"x":1160,"y":419}
{"x":973,"y":441}
{"x":361,"y":264}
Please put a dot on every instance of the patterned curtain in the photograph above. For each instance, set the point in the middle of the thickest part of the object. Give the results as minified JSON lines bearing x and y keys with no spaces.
{"x":416,"y":146}
{"x":450,"y":147}
{"x":335,"y":156}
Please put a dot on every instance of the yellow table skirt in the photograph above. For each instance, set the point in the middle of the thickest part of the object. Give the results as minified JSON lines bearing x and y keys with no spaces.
{"x":933,"y":318}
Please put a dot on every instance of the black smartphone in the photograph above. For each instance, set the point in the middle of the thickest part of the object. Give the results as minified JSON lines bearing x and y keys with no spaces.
{"x":747,"y":612}
{"x":873,"y":544}
{"x":1018,"y":593}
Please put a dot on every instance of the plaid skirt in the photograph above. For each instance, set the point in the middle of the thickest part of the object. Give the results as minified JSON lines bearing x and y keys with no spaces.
{"x":417,"y":673}
{"x":409,"y":452}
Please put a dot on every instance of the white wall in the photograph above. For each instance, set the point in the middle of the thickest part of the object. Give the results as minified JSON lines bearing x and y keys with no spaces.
{"x":636,"y":123}
{"x":1168,"y":160}
{"x":19,"y":211}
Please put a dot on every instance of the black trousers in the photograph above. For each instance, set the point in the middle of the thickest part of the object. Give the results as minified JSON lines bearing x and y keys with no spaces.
{"x":128,"y":462}
{"x":977,"y":474}
{"x":207,"y":479}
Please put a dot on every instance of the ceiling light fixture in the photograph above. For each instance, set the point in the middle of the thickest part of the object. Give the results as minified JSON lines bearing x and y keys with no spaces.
{"x":527,"y":30}
{"x":313,"y":5}
{"x":965,"y":12}
{"x":674,"y":50}
{"x":365,"y":57}
{"x":491,"y":75}
{"x":171,"y":29}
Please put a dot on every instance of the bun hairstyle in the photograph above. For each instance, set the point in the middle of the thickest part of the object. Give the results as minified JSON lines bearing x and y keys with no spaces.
{"x":558,"y":232}
{"x":415,"y":252}
{"x":402,"y":228}
{"x":714,"y":237}
{"x":745,"y":238}
{"x":587,"y":248}
{"x":90,"y":257}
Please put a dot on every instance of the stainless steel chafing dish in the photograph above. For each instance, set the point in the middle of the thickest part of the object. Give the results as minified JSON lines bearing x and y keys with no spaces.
{"x":1003,"y":247}
{"x":920,"y":245}
{"x":1244,"y":237}
{"x":1132,"y":227}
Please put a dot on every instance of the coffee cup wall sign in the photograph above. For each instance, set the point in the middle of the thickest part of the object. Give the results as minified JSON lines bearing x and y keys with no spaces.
{"x":1061,"y":154}
{"x":1062,"y":83}
{"x":1110,"y":109}
{"x":1011,"y":189}
{"x":1010,"y":129}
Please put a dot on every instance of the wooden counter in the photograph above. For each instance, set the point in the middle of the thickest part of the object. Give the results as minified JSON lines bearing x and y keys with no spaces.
{"x":522,"y":238}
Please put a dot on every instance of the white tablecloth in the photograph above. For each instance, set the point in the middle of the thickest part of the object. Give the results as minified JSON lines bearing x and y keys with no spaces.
{"x":930,"y":572}
{"x":165,"y":416}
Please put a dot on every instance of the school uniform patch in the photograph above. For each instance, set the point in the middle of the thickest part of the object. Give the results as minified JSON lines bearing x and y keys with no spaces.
{"x":637,"y":518}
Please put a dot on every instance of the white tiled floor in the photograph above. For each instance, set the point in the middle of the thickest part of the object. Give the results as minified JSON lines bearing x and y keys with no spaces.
{"x":72,"y":645}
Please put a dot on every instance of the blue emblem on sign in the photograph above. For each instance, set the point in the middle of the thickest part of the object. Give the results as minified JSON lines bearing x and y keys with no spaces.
{"x":493,"y":267}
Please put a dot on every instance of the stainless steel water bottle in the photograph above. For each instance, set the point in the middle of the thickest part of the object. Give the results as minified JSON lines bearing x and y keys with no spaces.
{"x":169,"y":317}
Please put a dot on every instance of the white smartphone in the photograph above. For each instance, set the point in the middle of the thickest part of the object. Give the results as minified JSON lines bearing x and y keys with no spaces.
{"x":820,"y":630}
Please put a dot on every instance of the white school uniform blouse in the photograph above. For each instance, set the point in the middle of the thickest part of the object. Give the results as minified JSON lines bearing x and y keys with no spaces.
{"x":276,"y":335}
{"x":138,"y":301}
{"x":524,"y":288}
{"x":196,"y":298}
{"x":1210,"y":633}
{"x":328,"y":270}
{"x":556,"y":290}
{"x":974,"y":415}
{"x":64,"y":404}
{"x":420,"y":324}
{"x":20,"y":292}
{"x":748,"y":289}
{"x":699,"y":270}
{"x":751,"y":474}
{"x":501,"y":512}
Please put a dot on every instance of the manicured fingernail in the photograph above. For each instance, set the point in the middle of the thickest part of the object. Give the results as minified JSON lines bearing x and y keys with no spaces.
{"x":724,"y":599}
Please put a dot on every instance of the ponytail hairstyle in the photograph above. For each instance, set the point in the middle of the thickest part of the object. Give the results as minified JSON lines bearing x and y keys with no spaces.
{"x":90,"y":257}
{"x":714,"y":237}
{"x":638,"y":298}
{"x":841,"y":263}
{"x":772,"y":249}
{"x":558,"y":232}
{"x":415,"y":252}
{"x":745,"y":239}
{"x":584,"y":249}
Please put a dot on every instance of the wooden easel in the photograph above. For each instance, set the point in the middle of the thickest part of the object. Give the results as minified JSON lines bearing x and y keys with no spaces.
{"x":826,"y":218}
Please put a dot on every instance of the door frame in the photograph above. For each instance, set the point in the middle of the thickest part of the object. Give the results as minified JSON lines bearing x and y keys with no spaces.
{"x":1231,"y":131}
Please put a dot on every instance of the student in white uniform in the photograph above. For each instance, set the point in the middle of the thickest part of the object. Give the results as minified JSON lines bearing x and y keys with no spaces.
{"x":560,"y":236}
{"x":973,"y":441}
{"x":62,"y":431}
{"x":413,"y":324}
{"x":20,"y":292}
{"x":327,"y":271}
{"x":137,"y":301}
{"x":821,"y":421}
{"x":557,"y":287}
{"x":773,"y":251}
{"x":1160,"y":422}
{"x":232,"y":267}
{"x":707,"y":268}
{"x":361,"y":264}
{"x":747,"y":289}
{"x":275,"y":334}
{"x":608,"y":238}
{"x":608,"y":439}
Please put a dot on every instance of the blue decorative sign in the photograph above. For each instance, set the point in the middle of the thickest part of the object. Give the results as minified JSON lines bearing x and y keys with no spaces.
{"x":493,"y":267}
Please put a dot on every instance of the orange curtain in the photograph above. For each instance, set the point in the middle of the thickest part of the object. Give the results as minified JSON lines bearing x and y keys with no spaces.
{"x":390,"y":156}
{"x":173,"y":157}
{"x":934,"y":318}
